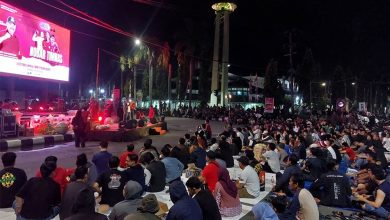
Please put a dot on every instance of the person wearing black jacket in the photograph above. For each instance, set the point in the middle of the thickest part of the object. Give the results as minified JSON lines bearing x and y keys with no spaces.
{"x":226,"y":153}
{"x":282,"y":180}
{"x":336,"y":189}
{"x":79,"y":126}
{"x":204,"y":198}
{"x":157,"y":171}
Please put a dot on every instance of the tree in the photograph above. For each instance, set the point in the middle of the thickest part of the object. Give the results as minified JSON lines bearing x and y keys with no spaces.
{"x":272,"y":87}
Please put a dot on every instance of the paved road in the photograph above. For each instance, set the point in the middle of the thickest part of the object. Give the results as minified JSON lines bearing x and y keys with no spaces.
{"x":66,"y":153}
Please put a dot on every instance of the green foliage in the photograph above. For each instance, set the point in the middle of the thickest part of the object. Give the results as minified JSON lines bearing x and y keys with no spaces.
{"x":272,"y":87}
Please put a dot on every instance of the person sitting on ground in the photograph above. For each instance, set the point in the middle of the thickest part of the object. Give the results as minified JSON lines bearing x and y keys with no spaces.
{"x":303,"y":205}
{"x":204,"y":198}
{"x":315,"y":164}
{"x":197,"y":155}
{"x":335,"y":189}
{"x":173,"y":167}
{"x":250,"y":188}
{"x":272,"y":158}
{"x":226,"y":152}
{"x":181,"y":152}
{"x":149,"y":148}
{"x":111,"y":183}
{"x":381,"y":204}
{"x":226,"y":195}
{"x":84,"y":207}
{"x":149,"y":207}
{"x":132,"y":193}
{"x":71,"y":191}
{"x":40,"y":197}
{"x":263,"y":211}
{"x":16,"y":179}
{"x":59,"y":174}
{"x":210,"y":171}
{"x":92,"y":172}
{"x":157,"y":171}
{"x":282,"y":155}
{"x":184,"y":207}
{"x":123,"y":157}
{"x":135,"y":171}
{"x":101,"y":158}
{"x":365,"y":184}
{"x":282,"y":179}
{"x":213,"y":144}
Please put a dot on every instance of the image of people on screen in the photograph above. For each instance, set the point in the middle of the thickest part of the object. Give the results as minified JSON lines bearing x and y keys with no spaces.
{"x":53,"y":46}
{"x":39,"y":37}
{"x":9,"y":42}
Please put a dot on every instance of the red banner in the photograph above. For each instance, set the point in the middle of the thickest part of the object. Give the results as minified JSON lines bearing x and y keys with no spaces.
{"x":269,"y":105}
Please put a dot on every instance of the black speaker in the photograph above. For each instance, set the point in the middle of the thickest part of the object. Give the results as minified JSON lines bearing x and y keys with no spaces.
{"x":131,"y":124}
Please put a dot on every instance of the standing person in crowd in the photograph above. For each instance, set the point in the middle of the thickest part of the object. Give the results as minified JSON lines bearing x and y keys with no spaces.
{"x":132,"y":200}
{"x":381,"y":204}
{"x":209,"y":133}
{"x":84,"y":207}
{"x":72,"y":190}
{"x":40,"y":197}
{"x":11,"y":180}
{"x":173,"y":167}
{"x":123,"y":156}
{"x":79,"y":127}
{"x":334,"y":188}
{"x":303,"y":205}
{"x":135,"y":171}
{"x":204,"y":198}
{"x":110,"y":183}
{"x":226,"y":153}
{"x":59,"y":174}
{"x":157,"y":171}
{"x":184,"y":207}
{"x":250,"y":188}
{"x":210,"y":171}
{"x":149,"y":207}
{"x":226,"y":195}
{"x":101,"y":158}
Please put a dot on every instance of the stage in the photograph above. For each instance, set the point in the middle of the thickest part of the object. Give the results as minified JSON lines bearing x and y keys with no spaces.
{"x":116,"y":134}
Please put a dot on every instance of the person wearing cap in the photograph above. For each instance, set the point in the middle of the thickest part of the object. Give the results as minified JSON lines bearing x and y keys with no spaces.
{"x":132,"y":193}
{"x":381,"y":205}
{"x":204,"y":198}
{"x":250,"y":188}
{"x":210,"y":171}
{"x":8,"y":41}
{"x":147,"y":210}
{"x":184,"y":207}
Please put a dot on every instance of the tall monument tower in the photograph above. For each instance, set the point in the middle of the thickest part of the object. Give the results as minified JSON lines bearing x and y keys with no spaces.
{"x":222,"y":12}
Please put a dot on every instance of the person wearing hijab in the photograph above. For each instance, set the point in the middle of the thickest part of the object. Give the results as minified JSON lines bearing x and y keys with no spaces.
{"x":132,"y":193}
{"x":226,"y":195}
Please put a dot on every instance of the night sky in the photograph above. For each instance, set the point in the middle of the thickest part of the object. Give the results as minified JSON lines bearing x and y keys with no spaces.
{"x":352,"y":34}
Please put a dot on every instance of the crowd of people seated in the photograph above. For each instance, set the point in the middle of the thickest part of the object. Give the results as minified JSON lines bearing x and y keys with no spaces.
{"x":315,"y":161}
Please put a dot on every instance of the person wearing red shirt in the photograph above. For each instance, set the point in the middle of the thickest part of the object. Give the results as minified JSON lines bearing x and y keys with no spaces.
{"x":348,"y":150}
{"x":210,"y":171}
{"x":60,"y":175}
{"x":123,"y":157}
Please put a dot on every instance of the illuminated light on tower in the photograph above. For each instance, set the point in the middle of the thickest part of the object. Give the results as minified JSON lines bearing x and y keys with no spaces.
{"x":222,"y":12}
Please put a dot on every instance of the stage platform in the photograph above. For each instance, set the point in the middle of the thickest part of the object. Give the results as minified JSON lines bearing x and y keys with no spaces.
{"x":116,"y":134}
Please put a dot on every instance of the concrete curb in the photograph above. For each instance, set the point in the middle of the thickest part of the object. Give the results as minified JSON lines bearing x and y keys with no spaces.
{"x":30,"y":141}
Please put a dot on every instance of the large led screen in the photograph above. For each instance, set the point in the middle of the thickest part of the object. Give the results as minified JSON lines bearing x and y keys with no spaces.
{"x":31,"y":46}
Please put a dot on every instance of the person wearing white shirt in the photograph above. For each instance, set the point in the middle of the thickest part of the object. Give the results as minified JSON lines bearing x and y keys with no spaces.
{"x":250,"y":186}
{"x":272,"y":158}
{"x":240,"y":135}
